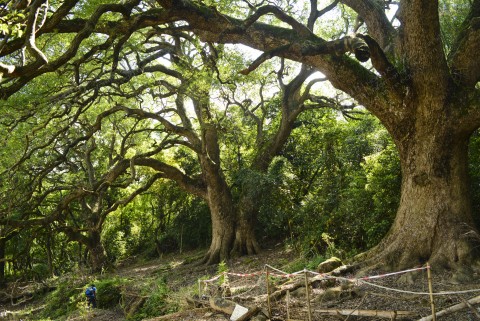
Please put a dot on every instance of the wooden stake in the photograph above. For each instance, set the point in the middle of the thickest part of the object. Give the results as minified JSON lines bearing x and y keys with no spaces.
{"x":268,"y":297}
{"x":181,"y":240}
{"x":288,"y":305}
{"x":308,"y":297}
{"x":430,"y":289}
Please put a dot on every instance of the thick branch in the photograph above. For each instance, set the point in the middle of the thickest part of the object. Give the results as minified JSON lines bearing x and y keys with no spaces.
{"x":173,"y":173}
{"x":315,"y":13}
{"x":297,"y":26}
{"x":347,"y":76}
{"x":373,"y":13}
{"x":31,"y":33}
{"x":381,"y":63}
{"x":423,"y":45}
{"x":464,"y":56}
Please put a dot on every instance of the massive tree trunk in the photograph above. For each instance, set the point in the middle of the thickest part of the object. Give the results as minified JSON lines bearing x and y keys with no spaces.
{"x":218,"y":197}
{"x":222,"y":214}
{"x":94,"y":247}
{"x":434,"y":221}
{"x":96,"y":250}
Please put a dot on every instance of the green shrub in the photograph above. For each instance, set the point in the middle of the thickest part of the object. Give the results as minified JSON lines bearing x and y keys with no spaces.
{"x":109,"y":292}
{"x":157,"y":302}
{"x":61,"y":302}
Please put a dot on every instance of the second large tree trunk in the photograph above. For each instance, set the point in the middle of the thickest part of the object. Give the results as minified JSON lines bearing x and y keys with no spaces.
{"x":245,"y":239}
{"x":3,"y":244}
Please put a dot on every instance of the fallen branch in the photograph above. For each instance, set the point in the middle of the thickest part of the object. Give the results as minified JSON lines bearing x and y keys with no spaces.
{"x":453,"y":308}
{"x":471,"y":307}
{"x":179,"y":315}
{"x":367,"y":313}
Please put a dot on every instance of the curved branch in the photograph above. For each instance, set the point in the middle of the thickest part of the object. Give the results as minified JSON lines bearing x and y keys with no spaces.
{"x":344,"y":74}
{"x":277,"y":12}
{"x":381,"y":63}
{"x":193,"y":186}
{"x":31,"y":31}
{"x":168,"y":125}
{"x":315,"y":13}
{"x":264,"y":57}
{"x":31,"y":71}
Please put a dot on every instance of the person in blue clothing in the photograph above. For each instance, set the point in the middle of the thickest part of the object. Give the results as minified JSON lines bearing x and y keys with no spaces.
{"x":91,"y":294}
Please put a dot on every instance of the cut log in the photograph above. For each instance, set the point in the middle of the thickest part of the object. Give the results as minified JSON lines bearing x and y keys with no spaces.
{"x":367,"y":313}
{"x":453,"y":308}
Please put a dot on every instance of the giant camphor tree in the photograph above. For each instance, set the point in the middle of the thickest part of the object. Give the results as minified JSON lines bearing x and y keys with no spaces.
{"x":422,"y":85}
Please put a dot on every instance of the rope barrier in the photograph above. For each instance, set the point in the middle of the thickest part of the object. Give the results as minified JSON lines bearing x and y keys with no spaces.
{"x":419,"y":293}
{"x":275,"y":269}
{"x":393,"y":273}
{"x":361,"y":280}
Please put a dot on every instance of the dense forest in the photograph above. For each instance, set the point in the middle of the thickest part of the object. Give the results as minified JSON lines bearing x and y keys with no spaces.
{"x":137,"y":128}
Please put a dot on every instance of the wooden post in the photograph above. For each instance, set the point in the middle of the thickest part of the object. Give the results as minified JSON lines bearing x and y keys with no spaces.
{"x":181,"y":240}
{"x":288,"y":304}
{"x":268,"y":296}
{"x":308,"y":296}
{"x":199,"y":289}
{"x":430,"y":289}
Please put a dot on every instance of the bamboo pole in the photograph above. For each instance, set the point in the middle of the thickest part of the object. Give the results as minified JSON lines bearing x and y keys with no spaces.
{"x":393,"y":315}
{"x":308,"y":296}
{"x":452,"y":309}
{"x":268,"y":295}
{"x":430,"y":290}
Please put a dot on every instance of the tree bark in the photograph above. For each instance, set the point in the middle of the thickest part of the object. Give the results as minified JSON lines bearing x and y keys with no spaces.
{"x":245,"y":238}
{"x":98,"y":257}
{"x":3,"y":244}
{"x":48,"y":250}
{"x":218,"y":197}
{"x":434,"y":221}
{"x":223,"y":224}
